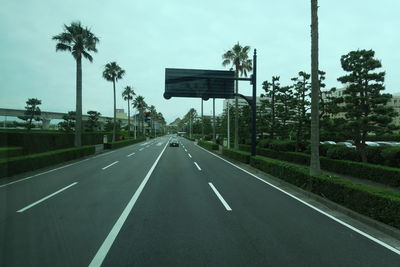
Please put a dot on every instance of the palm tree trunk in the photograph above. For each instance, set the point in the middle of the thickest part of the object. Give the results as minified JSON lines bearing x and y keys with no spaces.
{"x":129,"y":118}
{"x":78,"y":116}
{"x":314,"y":162}
{"x":115,"y":115}
{"x":236,"y":144}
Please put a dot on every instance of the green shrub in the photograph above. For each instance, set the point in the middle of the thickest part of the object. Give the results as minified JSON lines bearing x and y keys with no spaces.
{"x":118,"y":144}
{"x":380,"y":174}
{"x":208,"y":145}
{"x":342,"y":152}
{"x":284,"y":145}
{"x":323,"y":149}
{"x":387,"y":138}
{"x":8,"y":152}
{"x":246,"y":148}
{"x":237,"y":155}
{"x":32,"y":162}
{"x":294,"y":157}
{"x":391,"y":156}
{"x":264,"y":143}
{"x":374,"y":154}
{"x":380,"y":205}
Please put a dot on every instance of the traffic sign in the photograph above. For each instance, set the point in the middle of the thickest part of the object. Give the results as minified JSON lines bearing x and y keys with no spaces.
{"x":199,"y":83}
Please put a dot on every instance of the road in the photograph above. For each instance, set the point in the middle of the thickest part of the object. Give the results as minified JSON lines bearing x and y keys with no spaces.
{"x":153,"y":205}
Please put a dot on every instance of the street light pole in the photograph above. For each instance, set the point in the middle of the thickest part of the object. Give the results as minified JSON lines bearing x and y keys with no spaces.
{"x":254,"y":106}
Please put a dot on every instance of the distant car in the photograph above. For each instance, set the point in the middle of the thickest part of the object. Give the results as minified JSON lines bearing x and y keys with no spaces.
{"x":174,"y":142}
{"x":346,"y":144}
{"x":328,"y":142}
{"x":381,"y":143}
{"x":371,"y":143}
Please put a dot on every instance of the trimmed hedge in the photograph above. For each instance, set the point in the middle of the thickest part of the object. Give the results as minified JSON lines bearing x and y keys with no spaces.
{"x":380,"y":174}
{"x":246,"y":148}
{"x":118,"y":144}
{"x":236,"y":154}
{"x":380,"y":205}
{"x":32,"y":162}
{"x":377,"y":173}
{"x":208,"y":145}
{"x":391,"y":156}
{"x":37,"y":142}
{"x":8,"y":152}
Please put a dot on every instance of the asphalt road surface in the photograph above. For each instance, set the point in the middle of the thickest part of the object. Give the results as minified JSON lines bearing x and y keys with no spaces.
{"x":153,"y":205}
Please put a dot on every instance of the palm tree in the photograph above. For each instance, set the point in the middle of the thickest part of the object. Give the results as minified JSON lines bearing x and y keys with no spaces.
{"x":314,"y":161}
{"x":153,"y":114}
{"x":141,"y":106}
{"x":238,"y":57}
{"x":79,"y":41}
{"x":128,"y":94}
{"x":112,"y":73}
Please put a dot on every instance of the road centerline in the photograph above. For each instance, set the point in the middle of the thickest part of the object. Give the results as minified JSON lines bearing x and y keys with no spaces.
{"x":141,"y":149}
{"x":198,"y":167}
{"x":131,"y":154}
{"x":106,"y":245}
{"x":227,"y":207}
{"x":45,"y":198}
{"x":115,"y":162}
{"x":190,"y":156}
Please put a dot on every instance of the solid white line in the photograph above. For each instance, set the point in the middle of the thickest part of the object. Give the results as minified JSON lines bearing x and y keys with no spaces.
{"x":43,"y":199}
{"x":131,"y":154}
{"x":141,"y":149}
{"x":115,"y":162}
{"x":198,"y":167}
{"x":311,"y":206}
{"x":227,"y":207}
{"x":189,"y":155}
{"x":107,"y":243}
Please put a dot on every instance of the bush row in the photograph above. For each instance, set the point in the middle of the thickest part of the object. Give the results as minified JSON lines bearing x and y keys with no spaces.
{"x":237,"y":155}
{"x":380,"y":174}
{"x":208,"y":145}
{"x":32,"y":162}
{"x":36,"y":142}
{"x":118,"y":144}
{"x":380,"y":205}
{"x":8,"y":152}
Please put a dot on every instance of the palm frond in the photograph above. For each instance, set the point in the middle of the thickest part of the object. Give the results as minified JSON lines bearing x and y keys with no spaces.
{"x":63,"y":47}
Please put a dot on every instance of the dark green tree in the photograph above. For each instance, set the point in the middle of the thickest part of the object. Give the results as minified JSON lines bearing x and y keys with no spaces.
{"x":270,"y":103}
{"x":364,"y":103}
{"x":285,"y":111}
{"x":68,"y":125}
{"x":302,"y":90}
{"x":32,"y":112}
{"x":80,"y":42}
{"x":93,"y":120}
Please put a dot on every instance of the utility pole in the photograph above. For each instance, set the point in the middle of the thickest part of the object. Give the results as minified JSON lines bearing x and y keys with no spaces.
{"x":214,"y":120}
{"x":202,"y":120}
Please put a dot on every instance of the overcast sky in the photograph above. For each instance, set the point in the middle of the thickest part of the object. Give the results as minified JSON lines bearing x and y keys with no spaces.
{"x":145,"y":37}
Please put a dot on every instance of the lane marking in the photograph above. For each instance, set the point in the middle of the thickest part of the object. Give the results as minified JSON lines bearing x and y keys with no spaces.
{"x":190,"y":155}
{"x":107,"y":243}
{"x":311,"y":206}
{"x":185,"y":150}
{"x":56,"y":169}
{"x":131,"y":154}
{"x":147,"y":146}
{"x":144,"y":144}
{"x":159,"y":144}
{"x":227,"y":207}
{"x":141,"y":149}
{"x":115,"y":162}
{"x":43,"y":199}
{"x":198,"y":167}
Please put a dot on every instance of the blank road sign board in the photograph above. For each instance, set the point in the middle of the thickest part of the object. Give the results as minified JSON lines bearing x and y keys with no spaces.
{"x":198,"y":83}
